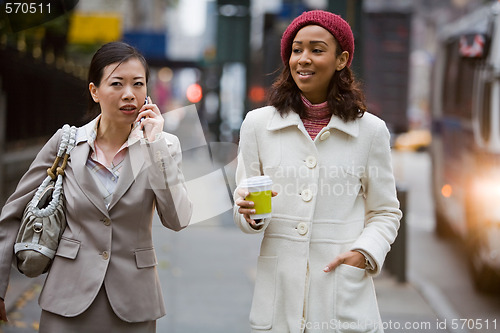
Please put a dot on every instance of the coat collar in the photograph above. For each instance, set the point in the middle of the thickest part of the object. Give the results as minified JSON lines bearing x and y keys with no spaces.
{"x":292,"y":119}
{"x":88,"y":131}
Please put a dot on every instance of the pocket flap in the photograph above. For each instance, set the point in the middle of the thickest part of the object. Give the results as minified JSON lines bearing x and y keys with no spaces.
{"x":68,"y":248}
{"x":145,"y":258}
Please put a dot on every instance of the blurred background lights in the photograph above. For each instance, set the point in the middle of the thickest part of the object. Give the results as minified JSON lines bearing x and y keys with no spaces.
{"x":165,"y":74}
{"x":193,"y":16}
{"x":446,"y":190}
{"x":194,"y":93}
{"x":257,"y":94}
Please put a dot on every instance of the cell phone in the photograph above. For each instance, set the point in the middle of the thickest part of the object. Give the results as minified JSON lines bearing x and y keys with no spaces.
{"x":140,"y":120}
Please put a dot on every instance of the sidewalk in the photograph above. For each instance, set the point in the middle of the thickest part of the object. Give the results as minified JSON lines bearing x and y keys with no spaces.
{"x":403,"y":308}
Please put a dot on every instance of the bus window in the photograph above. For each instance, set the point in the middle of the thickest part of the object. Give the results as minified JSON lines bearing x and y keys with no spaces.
{"x":485,"y":109}
{"x":458,"y":83}
{"x":465,"y":88}
{"x":450,"y":80}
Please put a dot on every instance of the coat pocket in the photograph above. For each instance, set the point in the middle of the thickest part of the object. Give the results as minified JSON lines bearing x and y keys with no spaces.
{"x":68,"y":248}
{"x":356,"y":300}
{"x":262,"y":312}
{"x":145,"y":258}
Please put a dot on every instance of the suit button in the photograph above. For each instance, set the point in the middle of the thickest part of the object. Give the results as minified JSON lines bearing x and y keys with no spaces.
{"x":105,"y":255}
{"x":311,"y":162}
{"x":324,"y":135}
{"x":302,"y":228}
{"x":306,"y":195}
{"x":158,"y":156}
{"x":107,"y":222}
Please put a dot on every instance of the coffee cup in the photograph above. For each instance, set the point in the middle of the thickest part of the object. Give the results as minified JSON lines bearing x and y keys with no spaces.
{"x":259,"y":189}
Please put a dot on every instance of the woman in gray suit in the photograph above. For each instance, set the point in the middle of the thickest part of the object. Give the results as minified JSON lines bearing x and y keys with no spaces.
{"x":103,"y":277}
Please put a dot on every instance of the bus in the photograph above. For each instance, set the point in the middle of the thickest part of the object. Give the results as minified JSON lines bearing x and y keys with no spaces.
{"x":465,"y":148}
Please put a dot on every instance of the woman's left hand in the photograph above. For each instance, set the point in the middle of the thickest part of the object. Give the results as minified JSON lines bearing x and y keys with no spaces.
{"x":352,"y":258}
{"x":152,"y":122}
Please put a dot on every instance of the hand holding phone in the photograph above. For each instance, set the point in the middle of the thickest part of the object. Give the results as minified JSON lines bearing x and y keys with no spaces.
{"x":150,"y":120}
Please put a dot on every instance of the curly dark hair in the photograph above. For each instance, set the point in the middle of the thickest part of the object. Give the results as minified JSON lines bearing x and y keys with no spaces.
{"x":345,"y":98}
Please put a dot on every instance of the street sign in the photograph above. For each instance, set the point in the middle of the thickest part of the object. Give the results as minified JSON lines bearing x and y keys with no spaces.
{"x":91,"y":28}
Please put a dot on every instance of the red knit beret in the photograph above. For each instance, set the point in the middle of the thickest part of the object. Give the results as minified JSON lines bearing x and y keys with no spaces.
{"x":335,"y":24}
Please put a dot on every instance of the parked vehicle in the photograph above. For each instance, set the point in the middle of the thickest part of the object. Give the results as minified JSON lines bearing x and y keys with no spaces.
{"x":465,"y":145}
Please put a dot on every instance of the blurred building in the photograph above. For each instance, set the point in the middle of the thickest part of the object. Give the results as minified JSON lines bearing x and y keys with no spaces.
{"x":427,"y":19}
{"x":221,"y":55}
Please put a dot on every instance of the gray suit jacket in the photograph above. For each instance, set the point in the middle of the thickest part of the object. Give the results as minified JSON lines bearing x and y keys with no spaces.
{"x":111,"y":245}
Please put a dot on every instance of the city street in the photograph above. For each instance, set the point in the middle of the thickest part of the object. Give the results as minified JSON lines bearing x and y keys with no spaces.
{"x":207,"y":272}
{"x":428,"y":69}
{"x":437,"y":267}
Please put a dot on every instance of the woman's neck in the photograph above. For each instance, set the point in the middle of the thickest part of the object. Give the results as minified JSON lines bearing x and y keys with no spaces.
{"x":316,"y":111}
{"x":112,"y":135}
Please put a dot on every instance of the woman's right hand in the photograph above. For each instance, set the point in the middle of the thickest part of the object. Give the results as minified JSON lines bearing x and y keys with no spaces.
{"x":246,"y":206}
{"x":3,"y":313}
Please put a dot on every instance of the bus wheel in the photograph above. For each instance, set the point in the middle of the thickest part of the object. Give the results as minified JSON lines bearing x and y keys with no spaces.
{"x":484,"y":277}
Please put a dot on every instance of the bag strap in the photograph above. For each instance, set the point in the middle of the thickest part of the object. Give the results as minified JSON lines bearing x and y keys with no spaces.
{"x":68,"y":142}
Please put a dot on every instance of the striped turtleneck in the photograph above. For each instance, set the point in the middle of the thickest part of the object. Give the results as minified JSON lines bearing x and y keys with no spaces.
{"x":317,"y":116}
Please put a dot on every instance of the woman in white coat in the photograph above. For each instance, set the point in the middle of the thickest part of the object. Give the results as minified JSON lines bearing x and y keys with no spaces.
{"x":335,"y":211}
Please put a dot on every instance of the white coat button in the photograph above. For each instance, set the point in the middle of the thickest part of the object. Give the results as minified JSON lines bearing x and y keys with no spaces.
{"x":105,"y":255}
{"x":311,"y":162}
{"x":324,"y":135}
{"x":302,"y":228}
{"x":306,"y":195}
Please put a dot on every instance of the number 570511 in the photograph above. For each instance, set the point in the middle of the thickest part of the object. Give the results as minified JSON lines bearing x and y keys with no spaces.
{"x":26,"y":8}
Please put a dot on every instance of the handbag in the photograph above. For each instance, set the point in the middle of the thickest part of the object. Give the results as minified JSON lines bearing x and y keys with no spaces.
{"x":44,"y":219}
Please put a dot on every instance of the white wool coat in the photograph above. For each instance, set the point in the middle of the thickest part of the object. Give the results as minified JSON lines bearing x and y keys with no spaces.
{"x":335,"y":194}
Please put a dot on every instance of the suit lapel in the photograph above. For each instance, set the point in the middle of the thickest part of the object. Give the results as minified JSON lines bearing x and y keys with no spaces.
{"x":83,"y":177}
{"x":133,"y":164}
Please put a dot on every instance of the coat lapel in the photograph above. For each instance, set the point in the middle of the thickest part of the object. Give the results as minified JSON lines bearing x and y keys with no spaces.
{"x":133,"y":163}
{"x":83,"y":177}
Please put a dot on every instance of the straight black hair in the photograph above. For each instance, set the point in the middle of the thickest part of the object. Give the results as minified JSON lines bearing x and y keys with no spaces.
{"x":110,"y":53}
